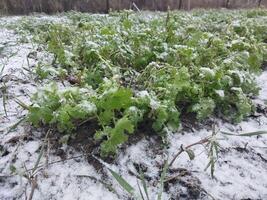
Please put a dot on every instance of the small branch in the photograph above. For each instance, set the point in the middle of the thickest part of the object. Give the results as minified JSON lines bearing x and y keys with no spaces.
{"x":57,"y":161}
{"x":85,"y":121}
{"x":182,"y":149}
{"x":262,"y":158}
{"x":136,"y":7}
{"x":33,"y":187}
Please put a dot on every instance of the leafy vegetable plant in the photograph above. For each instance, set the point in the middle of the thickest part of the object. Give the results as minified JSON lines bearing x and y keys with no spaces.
{"x":127,"y":68}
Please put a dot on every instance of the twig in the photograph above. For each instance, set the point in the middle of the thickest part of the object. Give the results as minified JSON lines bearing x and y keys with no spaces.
{"x":57,"y":161}
{"x":34,"y":186}
{"x":2,"y":69}
{"x":262,"y":158}
{"x":4,"y":91}
{"x":41,"y":153}
{"x":85,"y":121}
{"x":11,"y":128}
{"x":182,"y":149}
{"x":40,"y":166}
{"x":136,"y":7}
{"x":31,"y":175}
{"x":47,"y":153}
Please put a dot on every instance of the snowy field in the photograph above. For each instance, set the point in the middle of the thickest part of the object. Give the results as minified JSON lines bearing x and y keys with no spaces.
{"x":240,"y":170}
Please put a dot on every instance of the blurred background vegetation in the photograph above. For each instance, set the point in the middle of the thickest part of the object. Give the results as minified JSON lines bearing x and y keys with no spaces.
{"x":103,"y":6}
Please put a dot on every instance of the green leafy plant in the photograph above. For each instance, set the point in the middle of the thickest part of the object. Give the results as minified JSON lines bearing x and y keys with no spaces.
{"x":124,"y":69}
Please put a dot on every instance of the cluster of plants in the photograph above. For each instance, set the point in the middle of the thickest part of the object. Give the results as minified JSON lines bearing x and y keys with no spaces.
{"x":126,"y":68}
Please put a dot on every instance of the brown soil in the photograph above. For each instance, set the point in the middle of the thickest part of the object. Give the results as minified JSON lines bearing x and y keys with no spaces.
{"x":183,"y":177}
{"x":84,"y":142}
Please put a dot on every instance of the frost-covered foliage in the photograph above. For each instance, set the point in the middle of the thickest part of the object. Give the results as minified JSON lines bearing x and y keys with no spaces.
{"x":128,"y":68}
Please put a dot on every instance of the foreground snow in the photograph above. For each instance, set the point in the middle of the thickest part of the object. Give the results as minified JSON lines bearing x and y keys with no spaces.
{"x":240,"y":173}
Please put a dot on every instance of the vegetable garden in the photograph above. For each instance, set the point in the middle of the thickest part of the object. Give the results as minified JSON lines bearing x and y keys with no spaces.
{"x":125,"y":69}
{"x":127,"y":75}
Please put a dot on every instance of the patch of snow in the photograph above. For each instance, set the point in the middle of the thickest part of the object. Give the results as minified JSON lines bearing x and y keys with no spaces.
{"x":220,"y":93}
{"x":262,"y":80}
{"x":143,"y":94}
{"x":207,"y":71}
{"x":32,"y":146}
{"x":88,"y":106}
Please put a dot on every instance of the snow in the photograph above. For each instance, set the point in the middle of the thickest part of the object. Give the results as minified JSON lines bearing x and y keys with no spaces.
{"x":143,"y":94}
{"x":240,"y":171}
{"x":154,"y":104}
{"x":88,"y":106}
{"x":238,"y":175}
{"x":220,"y":93}
{"x":207,"y":72}
{"x":262,"y":83}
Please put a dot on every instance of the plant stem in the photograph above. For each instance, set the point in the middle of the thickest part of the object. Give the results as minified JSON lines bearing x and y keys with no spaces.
{"x":203,"y":141}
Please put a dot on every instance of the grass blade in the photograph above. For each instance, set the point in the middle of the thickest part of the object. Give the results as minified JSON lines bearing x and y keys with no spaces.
{"x":123,"y":183}
{"x":162,"y":178}
{"x":23,"y":105}
{"x":144,"y":184}
{"x":140,"y":191}
{"x":39,"y":158}
{"x":190,"y":154}
{"x":11,"y":128}
{"x":4,"y":94}
{"x":4,"y":104}
{"x":41,"y":153}
{"x":255,"y":133}
{"x":2,"y":69}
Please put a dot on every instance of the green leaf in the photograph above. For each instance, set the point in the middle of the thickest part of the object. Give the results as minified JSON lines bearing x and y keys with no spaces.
{"x":40,"y":114}
{"x":162,"y":179}
{"x":123,"y":183}
{"x":106,"y":117}
{"x":14,"y":126}
{"x":255,"y":133}
{"x":117,"y":136}
{"x":117,"y":100}
{"x":99,"y":135}
{"x":127,"y":24}
{"x":140,"y":191}
{"x":190,"y":153}
{"x":204,"y":108}
{"x":13,"y":169}
{"x":142,"y":176}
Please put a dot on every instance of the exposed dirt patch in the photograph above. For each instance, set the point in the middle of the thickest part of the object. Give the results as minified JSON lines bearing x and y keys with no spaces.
{"x":180,"y":179}
{"x":84,"y":142}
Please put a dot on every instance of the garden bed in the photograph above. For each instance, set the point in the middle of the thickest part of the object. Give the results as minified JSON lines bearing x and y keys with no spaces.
{"x":127,"y":91}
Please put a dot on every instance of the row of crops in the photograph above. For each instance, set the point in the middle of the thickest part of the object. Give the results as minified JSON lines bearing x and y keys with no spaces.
{"x":125,"y":70}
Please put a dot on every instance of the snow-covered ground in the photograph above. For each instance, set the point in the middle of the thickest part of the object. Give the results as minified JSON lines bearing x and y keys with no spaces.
{"x":240,"y":171}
